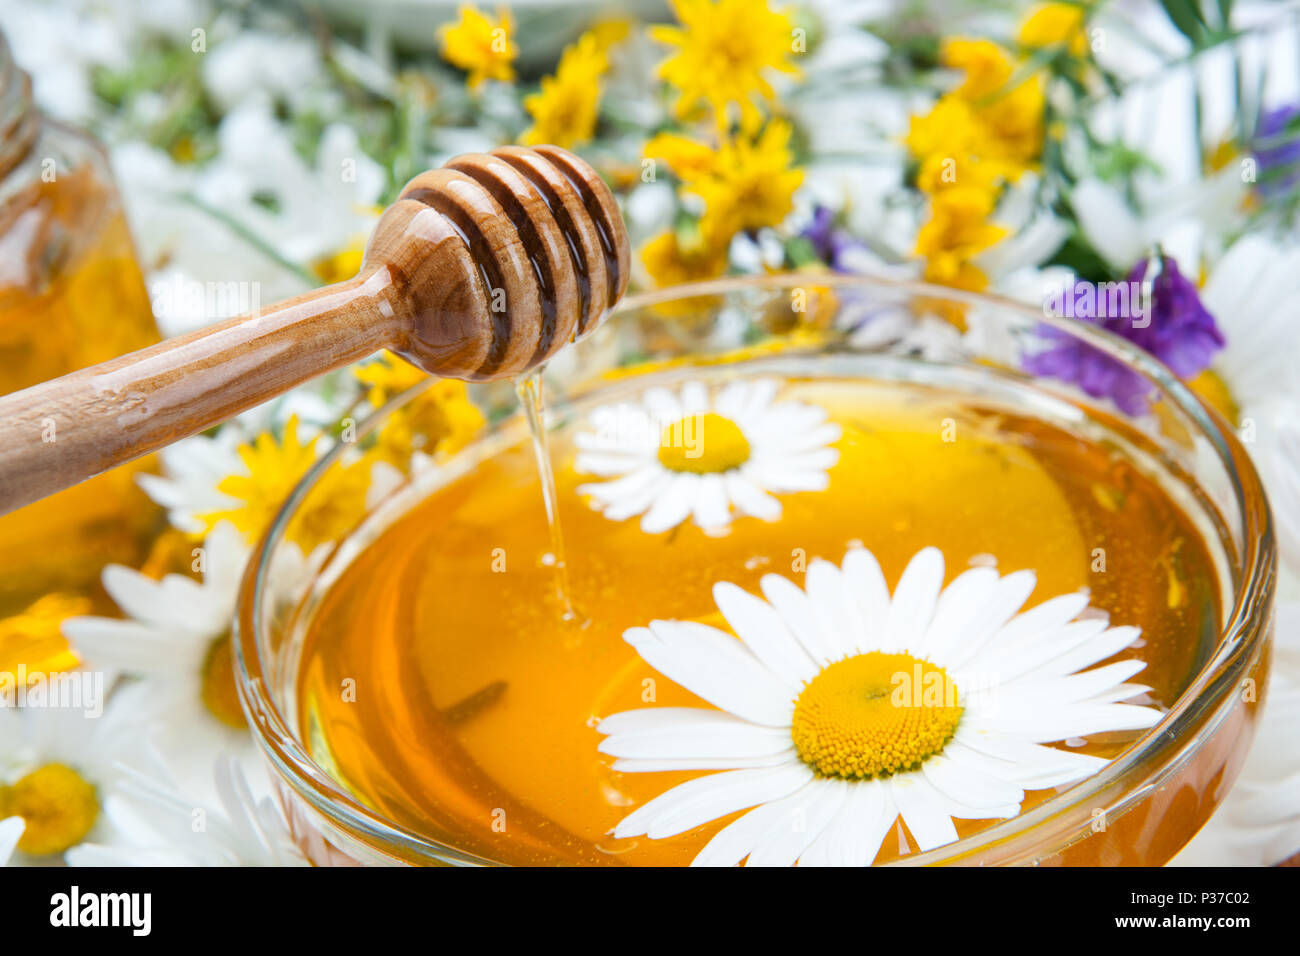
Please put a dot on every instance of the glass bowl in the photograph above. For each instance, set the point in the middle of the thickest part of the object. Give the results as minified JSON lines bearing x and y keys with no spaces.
{"x":1141,"y":809}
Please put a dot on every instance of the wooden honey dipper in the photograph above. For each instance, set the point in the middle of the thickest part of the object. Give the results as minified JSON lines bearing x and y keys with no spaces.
{"x":481,"y":270}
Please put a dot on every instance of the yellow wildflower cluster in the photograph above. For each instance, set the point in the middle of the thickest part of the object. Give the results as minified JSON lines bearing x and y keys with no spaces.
{"x":440,"y":418}
{"x":980,"y":136}
{"x":481,"y":47}
{"x":272,"y":469}
{"x":745,"y":183}
{"x":564,"y":110}
{"x":725,"y":51}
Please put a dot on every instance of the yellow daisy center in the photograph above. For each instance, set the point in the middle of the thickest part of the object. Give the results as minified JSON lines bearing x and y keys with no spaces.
{"x":57,"y":804}
{"x":217,"y":682}
{"x":704,"y":444}
{"x":874,"y":715}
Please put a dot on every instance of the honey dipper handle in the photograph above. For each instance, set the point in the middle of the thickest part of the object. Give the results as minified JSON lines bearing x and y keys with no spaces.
{"x":61,"y":432}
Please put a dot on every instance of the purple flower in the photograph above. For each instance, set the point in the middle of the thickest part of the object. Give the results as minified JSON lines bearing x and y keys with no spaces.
{"x":829,"y":242}
{"x":1274,"y":151}
{"x":1175,"y":327}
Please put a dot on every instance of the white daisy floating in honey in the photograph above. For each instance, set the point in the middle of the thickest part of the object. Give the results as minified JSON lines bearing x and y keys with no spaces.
{"x":842,"y":709}
{"x":690,"y":454}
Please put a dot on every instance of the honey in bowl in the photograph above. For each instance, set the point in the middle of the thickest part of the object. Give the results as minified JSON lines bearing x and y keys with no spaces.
{"x":443,"y":684}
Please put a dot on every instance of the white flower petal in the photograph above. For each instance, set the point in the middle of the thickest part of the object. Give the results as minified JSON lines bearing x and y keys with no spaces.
{"x":664,"y":764}
{"x":865,"y":583}
{"x":955,"y":608}
{"x":785,"y":476}
{"x":672,"y":506}
{"x":796,"y":611}
{"x":705,"y":734}
{"x":748,"y":498}
{"x":854,"y":837}
{"x":1041,"y":724}
{"x":914,"y":601}
{"x":711,"y":508}
{"x":606,"y":464}
{"x":1026,"y":627}
{"x":715,"y":666}
{"x":972,"y":787}
{"x":778,"y":824}
{"x":1028,"y":656}
{"x":11,"y":831}
{"x":731,"y":401}
{"x":1028,"y":765}
{"x":837,"y":618}
{"x":924,"y":809}
{"x":663,"y":405}
{"x":696,"y":802}
{"x":763,"y":631}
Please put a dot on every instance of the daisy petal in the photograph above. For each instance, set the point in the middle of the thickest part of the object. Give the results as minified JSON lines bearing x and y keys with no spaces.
{"x":673,"y":505}
{"x":749,"y":499}
{"x":854,"y":837}
{"x":953,"y":611}
{"x":837,"y":619}
{"x":784,"y":845}
{"x":914,"y":601}
{"x":923,"y":809}
{"x":759,"y":625}
{"x":666,"y":764}
{"x":709,"y":734}
{"x":711,"y":508}
{"x":715,"y":666}
{"x":797,"y":612}
{"x":865,"y":582}
{"x":768,"y":823}
{"x":696,"y":802}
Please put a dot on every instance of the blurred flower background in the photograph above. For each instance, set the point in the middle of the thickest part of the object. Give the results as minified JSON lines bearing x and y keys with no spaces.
{"x":1014,"y":148}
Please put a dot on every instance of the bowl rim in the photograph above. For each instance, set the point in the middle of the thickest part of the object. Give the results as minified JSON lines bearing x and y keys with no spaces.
{"x":1241,"y":637}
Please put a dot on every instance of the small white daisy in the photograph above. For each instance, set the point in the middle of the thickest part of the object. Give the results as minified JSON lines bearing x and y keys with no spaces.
{"x":176,"y":638}
{"x":174,"y":830}
{"x":842,"y":709}
{"x":58,"y":767}
{"x":690,"y":454}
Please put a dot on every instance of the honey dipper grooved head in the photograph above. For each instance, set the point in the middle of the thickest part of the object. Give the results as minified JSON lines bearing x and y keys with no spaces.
{"x":499,"y":259}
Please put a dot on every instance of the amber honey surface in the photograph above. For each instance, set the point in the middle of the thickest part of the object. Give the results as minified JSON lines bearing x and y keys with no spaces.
{"x":441,"y":686}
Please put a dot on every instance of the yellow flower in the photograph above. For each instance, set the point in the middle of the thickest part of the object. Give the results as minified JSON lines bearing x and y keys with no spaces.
{"x":564,"y":111}
{"x":1015,"y":119}
{"x":986,"y":66}
{"x":690,"y":160}
{"x":607,"y":33}
{"x":33,"y":639}
{"x":342,"y":265}
{"x":1054,"y":24}
{"x":957,"y":231}
{"x":387,"y":376}
{"x":479,"y":46}
{"x":272,"y":470}
{"x":751,"y":184}
{"x":335,"y":505}
{"x":724,"y":52}
{"x":670,"y":263}
{"x":442,"y":418}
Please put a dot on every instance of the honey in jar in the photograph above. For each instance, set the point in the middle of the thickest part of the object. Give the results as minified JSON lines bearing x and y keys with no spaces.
{"x":71,"y":295}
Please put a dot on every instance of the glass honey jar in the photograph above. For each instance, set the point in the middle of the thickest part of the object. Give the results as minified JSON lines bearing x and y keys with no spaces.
{"x":71,"y":295}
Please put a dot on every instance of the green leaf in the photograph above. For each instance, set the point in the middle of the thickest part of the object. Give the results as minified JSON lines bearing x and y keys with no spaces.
{"x":1186,"y":16}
